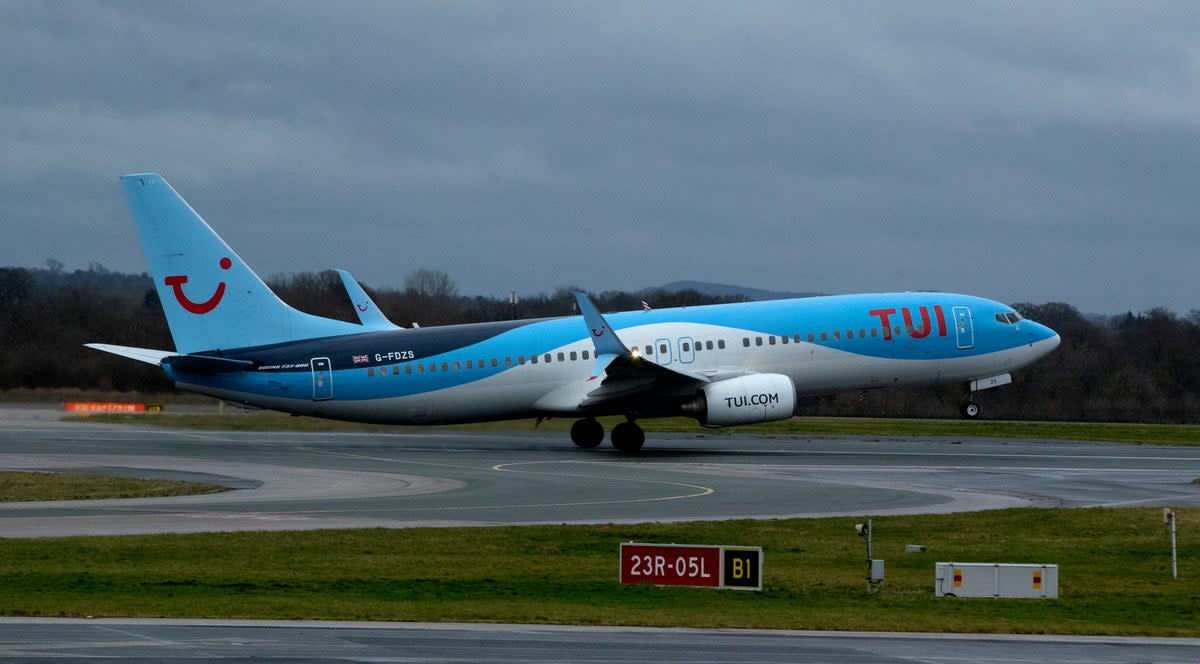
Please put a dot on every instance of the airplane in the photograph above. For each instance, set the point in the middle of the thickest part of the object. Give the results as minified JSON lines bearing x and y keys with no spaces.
{"x":724,"y":365}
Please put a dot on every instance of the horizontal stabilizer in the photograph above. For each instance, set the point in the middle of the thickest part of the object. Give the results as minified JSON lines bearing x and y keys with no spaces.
{"x":206,"y":364}
{"x":147,"y":355}
{"x":192,"y":363}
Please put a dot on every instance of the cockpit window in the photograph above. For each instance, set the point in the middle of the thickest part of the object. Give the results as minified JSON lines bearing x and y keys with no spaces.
{"x":1008,"y":318}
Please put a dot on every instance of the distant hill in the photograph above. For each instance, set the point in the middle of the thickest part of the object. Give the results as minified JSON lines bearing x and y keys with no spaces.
{"x":728,"y":290}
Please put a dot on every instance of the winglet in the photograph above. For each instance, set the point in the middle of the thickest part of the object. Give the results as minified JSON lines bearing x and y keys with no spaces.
{"x":602,"y":334}
{"x":608,"y":346}
{"x":368,"y":312}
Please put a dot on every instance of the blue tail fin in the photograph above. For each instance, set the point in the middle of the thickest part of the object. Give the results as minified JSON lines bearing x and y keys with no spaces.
{"x":212,"y":299}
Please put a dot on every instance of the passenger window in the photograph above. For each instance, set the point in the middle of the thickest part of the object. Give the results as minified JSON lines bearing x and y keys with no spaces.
{"x":746,"y":341}
{"x":687,"y":347}
{"x":495,"y":362}
{"x":708,"y":345}
{"x":662,"y":348}
{"x":874,"y":333}
{"x":508,"y":361}
{"x":408,"y":369}
{"x":720,"y":343}
{"x":837,"y":335}
{"x":457,"y":365}
{"x":562,"y":357}
{"x":784,"y":339}
{"x":370,"y":371}
{"x":811,"y":338}
{"x":573,"y":356}
{"x":533,"y":359}
{"x":824,"y":336}
{"x":547,"y":358}
{"x":445,"y":366}
{"x":521,"y":360}
{"x":432,"y":367}
{"x":849,"y":334}
{"x":771,"y":341}
{"x":757,"y":341}
{"x":796,"y":338}
{"x":481,"y":363}
{"x":470,"y":364}
{"x":420,"y":368}
{"x":586,"y":355}
{"x":862,"y":333}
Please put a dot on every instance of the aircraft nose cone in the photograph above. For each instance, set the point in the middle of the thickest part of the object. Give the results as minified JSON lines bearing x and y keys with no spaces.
{"x":1044,"y":339}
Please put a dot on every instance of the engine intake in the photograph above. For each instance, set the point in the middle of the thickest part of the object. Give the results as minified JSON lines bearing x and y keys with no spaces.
{"x":744,"y":400}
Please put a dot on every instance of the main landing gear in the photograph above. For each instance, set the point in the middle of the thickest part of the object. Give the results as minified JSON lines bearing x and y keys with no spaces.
{"x":626,"y":436}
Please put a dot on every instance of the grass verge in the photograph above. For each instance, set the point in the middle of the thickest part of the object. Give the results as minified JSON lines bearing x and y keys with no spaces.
{"x":1160,"y":434}
{"x":1114,"y":569}
{"x":25,"y":486}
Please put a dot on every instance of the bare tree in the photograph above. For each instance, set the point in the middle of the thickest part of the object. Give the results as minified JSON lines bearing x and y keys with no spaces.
{"x":432,"y":284}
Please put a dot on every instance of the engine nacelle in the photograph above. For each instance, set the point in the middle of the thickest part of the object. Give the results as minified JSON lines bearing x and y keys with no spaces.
{"x":744,"y":400}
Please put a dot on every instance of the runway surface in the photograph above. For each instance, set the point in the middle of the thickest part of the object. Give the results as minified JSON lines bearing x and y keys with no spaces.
{"x":285,"y":480}
{"x":61,"y":640}
{"x":305,"y":481}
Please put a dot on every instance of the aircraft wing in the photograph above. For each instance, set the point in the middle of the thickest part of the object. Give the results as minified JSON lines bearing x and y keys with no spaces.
{"x":618,"y":372}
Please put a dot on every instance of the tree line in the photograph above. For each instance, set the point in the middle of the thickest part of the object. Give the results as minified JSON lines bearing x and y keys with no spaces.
{"x":1133,"y":367}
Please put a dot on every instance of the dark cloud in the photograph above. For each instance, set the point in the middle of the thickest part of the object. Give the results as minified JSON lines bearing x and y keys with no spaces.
{"x":1023,"y":151}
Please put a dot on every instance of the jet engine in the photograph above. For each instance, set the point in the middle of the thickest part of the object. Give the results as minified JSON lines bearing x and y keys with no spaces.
{"x":744,"y":400}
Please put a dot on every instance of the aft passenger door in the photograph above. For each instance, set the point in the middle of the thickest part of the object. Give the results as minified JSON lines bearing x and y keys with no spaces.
{"x":322,"y":379}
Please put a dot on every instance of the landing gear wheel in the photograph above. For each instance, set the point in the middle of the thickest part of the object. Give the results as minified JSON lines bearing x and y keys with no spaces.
{"x":628,"y":437}
{"x":970,"y":410}
{"x":587,"y":433}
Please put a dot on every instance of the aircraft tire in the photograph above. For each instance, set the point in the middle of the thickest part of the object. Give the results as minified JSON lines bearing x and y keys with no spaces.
{"x":628,"y":437}
{"x":970,"y":410}
{"x":587,"y":433}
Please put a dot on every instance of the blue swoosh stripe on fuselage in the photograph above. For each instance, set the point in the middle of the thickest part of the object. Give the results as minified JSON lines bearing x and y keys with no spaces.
{"x":513,"y":338}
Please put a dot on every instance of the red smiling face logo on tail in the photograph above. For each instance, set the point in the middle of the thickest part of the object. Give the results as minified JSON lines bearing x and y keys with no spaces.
{"x":176,"y":283}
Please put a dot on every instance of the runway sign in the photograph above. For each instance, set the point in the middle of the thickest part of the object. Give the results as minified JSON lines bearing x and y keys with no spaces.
{"x":692,"y":565}
{"x":110,"y":407}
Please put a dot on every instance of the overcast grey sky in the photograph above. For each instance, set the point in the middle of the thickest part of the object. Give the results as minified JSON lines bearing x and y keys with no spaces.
{"x":1024,"y":151}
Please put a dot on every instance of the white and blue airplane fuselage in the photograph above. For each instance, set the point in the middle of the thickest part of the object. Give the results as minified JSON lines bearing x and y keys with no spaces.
{"x":724,"y":364}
